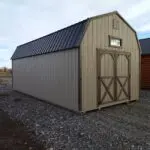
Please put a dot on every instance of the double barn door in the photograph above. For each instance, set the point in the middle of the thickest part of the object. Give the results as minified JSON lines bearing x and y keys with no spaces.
{"x":113,"y":76}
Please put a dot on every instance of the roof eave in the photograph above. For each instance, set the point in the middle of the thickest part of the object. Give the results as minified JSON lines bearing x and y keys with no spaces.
{"x":145,"y":54}
{"x":46,"y":52}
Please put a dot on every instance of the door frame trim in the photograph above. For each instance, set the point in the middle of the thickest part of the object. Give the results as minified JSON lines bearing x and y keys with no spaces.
{"x":99,"y":53}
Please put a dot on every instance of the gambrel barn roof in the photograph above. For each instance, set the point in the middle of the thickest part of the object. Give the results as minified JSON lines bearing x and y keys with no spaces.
{"x":67,"y":38}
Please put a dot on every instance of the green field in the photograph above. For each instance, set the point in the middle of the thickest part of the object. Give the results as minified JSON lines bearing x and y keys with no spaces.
{"x":5,"y":74}
{"x":5,"y":78}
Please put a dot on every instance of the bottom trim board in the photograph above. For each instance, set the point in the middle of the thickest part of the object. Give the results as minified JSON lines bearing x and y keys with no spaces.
{"x":108,"y":105}
{"x":114,"y":103}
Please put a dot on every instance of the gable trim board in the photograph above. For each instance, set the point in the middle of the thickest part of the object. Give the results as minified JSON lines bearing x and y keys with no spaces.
{"x":82,"y":30}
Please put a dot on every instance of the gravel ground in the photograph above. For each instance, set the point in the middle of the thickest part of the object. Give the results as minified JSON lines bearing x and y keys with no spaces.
{"x":119,"y":127}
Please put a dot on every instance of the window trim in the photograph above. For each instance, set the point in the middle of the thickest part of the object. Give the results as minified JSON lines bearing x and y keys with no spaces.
{"x":114,"y":37}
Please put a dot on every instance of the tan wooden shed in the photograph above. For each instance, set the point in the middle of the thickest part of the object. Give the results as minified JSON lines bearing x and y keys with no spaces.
{"x":89,"y":65}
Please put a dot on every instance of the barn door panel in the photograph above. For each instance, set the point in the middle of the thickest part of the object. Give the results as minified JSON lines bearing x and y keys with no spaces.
{"x":106,"y":78}
{"x":123,"y":76}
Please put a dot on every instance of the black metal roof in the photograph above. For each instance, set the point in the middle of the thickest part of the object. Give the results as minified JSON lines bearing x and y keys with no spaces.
{"x":145,"y":46}
{"x":67,"y":38}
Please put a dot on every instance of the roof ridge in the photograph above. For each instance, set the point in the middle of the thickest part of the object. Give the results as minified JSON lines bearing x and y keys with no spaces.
{"x":104,"y":14}
{"x":54,"y":32}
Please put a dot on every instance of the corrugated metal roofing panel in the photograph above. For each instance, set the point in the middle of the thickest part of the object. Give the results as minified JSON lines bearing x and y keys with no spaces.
{"x":66,"y":38}
{"x":145,"y":46}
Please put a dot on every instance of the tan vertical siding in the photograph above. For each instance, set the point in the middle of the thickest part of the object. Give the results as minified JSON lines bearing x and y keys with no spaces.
{"x":52,"y":77}
{"x":96,"y":36}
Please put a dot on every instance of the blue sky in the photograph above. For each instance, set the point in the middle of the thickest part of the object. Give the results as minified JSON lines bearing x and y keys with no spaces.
{"x":24,"y":20}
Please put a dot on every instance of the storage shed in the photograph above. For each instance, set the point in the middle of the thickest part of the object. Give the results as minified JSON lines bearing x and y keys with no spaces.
{"x":92,"y":64}
{"x":145,"y":63}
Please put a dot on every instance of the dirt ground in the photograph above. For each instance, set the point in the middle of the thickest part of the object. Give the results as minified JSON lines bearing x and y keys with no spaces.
{"x":13,"y":135}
